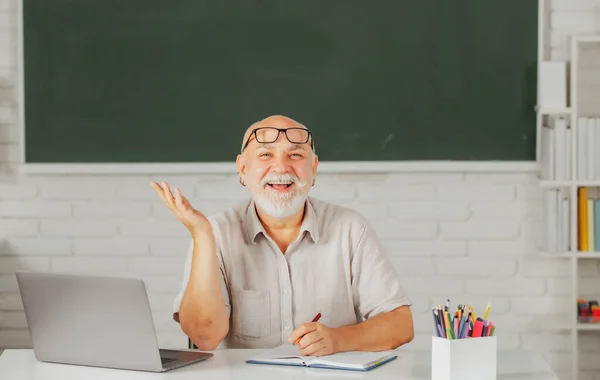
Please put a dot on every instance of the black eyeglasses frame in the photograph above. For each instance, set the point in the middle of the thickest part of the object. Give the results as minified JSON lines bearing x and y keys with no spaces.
{"x":279,"y":130}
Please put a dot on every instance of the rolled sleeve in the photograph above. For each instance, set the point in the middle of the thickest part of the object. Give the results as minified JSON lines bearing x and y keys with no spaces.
{"x":376,"y":286}
{"x":186,"y":278}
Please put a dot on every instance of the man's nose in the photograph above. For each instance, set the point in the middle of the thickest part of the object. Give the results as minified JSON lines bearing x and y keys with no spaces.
{"x":280,"y":164}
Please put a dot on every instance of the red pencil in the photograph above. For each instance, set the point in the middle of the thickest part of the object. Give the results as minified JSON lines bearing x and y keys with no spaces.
{"x":315,"y":319}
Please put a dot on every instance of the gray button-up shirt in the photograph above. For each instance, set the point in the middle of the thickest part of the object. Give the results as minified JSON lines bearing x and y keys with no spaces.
{"x":336,"y":267}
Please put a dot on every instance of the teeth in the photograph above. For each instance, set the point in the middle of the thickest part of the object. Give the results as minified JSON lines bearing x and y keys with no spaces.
{"x":279,"y":183}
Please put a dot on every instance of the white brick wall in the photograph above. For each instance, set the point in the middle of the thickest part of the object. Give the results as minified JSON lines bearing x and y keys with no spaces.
{"x":468,"y":236}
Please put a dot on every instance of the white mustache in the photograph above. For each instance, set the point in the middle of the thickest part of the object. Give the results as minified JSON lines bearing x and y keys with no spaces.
{"x":283,"y":178}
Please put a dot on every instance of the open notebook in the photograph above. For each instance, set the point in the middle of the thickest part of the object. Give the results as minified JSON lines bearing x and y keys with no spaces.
{"x":355,"y":360}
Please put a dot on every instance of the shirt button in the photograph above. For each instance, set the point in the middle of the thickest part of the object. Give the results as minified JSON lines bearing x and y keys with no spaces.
{"x":288,"y":327}
{"x":287,"y":291}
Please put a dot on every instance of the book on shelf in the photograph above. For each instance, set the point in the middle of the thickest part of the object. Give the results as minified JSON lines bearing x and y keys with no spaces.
{"x":588,"y":219}
{"x":588,"y":155}
{"x":556,"y":149}
{"x":557,"y":206}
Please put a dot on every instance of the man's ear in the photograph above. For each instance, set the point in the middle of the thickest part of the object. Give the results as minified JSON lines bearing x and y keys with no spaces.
{"x":240,"y":164}
{"x":315,"y":165}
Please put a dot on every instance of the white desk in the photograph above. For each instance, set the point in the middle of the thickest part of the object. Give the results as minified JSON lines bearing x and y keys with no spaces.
{"x":229,"y":364}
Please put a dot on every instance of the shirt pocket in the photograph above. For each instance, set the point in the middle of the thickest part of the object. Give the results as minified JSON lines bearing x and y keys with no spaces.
{"x":251,"y":313}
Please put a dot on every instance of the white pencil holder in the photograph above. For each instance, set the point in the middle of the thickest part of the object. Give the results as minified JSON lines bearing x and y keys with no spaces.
{"x":464,"y":359}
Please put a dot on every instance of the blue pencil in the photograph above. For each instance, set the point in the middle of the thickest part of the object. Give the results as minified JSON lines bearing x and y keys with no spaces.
{"x":461,"y":326}
{"x":435,"y":323}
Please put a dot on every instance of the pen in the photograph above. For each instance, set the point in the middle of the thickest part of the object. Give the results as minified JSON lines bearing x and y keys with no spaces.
{"x":315,"y":319}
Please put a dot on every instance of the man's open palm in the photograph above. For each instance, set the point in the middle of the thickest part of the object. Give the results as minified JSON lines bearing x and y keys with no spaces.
{"x":192,"y":219}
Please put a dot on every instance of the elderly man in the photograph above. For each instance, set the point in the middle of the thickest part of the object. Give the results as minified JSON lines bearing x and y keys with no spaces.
{"x":256,"y":275}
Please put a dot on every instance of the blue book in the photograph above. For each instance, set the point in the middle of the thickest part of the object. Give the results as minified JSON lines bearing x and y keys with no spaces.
{"x":597,"y":225}
{"x":289,"y":355}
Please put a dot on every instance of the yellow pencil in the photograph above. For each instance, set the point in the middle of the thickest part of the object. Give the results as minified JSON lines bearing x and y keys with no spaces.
{"x":473,"y":317}
{"x":487,"y":311}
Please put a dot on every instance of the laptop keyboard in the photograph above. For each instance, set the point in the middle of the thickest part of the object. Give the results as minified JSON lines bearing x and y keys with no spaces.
{"x":167,"y":360}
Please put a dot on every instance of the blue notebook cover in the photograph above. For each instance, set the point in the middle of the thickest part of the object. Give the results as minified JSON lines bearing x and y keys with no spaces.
{"x":353,"y":361}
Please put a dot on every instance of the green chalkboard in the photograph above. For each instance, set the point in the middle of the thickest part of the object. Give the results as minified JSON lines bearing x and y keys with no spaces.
{"x":180,"y":81}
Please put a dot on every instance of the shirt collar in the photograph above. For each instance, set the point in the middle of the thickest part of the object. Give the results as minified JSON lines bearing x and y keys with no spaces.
{"x":255,"y":227}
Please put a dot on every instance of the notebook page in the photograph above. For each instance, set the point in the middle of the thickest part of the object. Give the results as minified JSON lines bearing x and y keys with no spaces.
{"x":353,"y":359}
{"x":286,"y":351}
{"x":282,"y":354}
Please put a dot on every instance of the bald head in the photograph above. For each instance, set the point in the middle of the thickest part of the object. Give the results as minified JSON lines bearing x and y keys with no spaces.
{"x":277,"y":121}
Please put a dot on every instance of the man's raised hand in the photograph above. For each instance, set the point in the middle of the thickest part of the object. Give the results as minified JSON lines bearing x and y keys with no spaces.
{"x":195,"y":221}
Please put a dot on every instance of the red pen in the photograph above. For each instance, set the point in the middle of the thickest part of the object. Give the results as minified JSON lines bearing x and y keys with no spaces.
{"x":315,"y":319}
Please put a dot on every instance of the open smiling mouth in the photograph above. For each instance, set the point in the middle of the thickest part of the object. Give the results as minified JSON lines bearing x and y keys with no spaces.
{"x":280,"y":186}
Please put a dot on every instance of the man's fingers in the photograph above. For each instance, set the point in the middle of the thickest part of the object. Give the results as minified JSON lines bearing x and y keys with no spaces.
{"x":303,"y":329}
{"x":168,"y":195}
{"x":164,"y":192}
{"x":312,"y":348}
{"x":183,"y":204}
{"x":309,"y":339}
{"x":321,"y":352}
{"x":158,"y":188}
{"x":178,"y":196}
{"x":296,"y":334}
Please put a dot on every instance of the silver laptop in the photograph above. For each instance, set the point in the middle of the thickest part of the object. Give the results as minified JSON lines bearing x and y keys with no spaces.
{"x":97,"y":321}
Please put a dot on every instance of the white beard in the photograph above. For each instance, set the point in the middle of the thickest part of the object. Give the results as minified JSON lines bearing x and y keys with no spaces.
{"x":282,"y":209}
{"x":281,"y":205}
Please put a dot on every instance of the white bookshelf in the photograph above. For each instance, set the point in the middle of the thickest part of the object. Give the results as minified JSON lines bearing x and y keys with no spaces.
{"x":567,"y":179}
{"x":569,"y":183}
